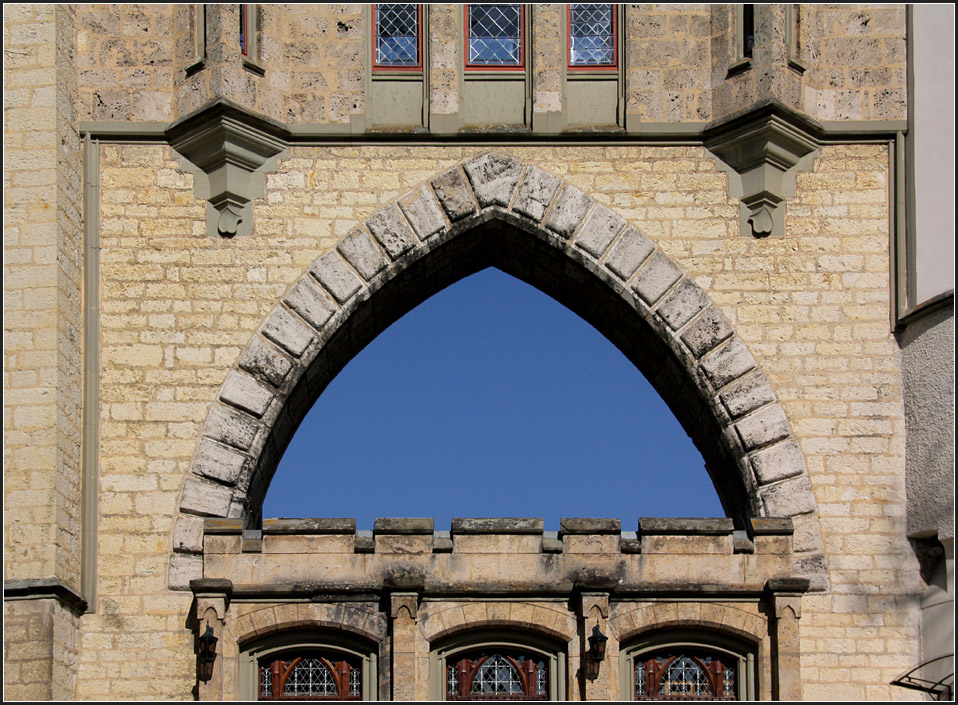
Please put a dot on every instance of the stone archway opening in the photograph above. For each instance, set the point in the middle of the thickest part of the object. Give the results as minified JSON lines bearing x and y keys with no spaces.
{"x":494,"y":211}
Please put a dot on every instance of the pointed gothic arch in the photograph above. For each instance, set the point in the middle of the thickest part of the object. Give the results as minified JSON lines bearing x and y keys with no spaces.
{"x":496,"y":211}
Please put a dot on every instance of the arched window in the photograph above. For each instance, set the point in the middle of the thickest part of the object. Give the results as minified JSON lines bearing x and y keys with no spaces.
{"x":688,"y":665}
{"x":310,"y":675}
{"x":498,"y":666}
{"x":306,"y":666}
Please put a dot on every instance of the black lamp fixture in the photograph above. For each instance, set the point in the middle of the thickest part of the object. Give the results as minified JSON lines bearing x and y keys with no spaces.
{"x":597,"y":644}
{"x":206,"y":651}
{"x":596,"y":652}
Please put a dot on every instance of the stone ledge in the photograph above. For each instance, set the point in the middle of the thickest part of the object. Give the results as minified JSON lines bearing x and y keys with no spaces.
{"x":650,"y":526}
{"x":44,"y":589}
{"x":309,"y":526}
{"x":404,"y":526}
{"x":480,"y":525}
{"x":772,"y":526}
{"x":588,"y":525}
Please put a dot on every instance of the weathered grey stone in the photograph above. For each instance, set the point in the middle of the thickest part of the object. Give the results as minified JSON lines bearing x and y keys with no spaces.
{"x":536,"y":193}
{"x":484,"y":525}
{"x":815,"y":568}
{"x":787,"y":584}
{"x":747,"y":394}
{"x":218,"y":462}
{"x":221,"y":525}
{"x":454,"y":194}
{"x":551,"y":543}
{"x":442,"y":542}
{"x":683,"y":304}
{"x":188,"y":534}
{"x":772,"y":526}
{"x":287,"y":331}
{"x":244,"y":392}
{"x":311,"y":303}
{"x":404,"y":525}
{"x":183,"y":568}
{"x":667,"y":526}
{"x":363,"y":253}
{"x":264,"y":361}
{"x":778,"y":462}
{"x":423,"y":212}
{"x":599,"y":231}
{"x":710,"y":329}
{"x":205,"y":498}
{"x":309,"y":526}
{"x":655,"y":278}
{"x":231,"y":426}
{"x":336,"y":276}
{"x":391,"y":231}
{"x":589,"y":525}
{"x":807,"y":535}
{"x":569,"y":211}
{"x":632,"y":249}
{"x":365,"y":543}
{"x":763,"y":427}
{"x":630,"y":545}
{"x":788,"y":498}
{"x":493,"y":178}
{"x":728,"y":362}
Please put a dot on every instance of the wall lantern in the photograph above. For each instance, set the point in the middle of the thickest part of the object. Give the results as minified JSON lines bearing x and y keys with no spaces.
{"x":597,"y":644}
{"x":596,"y":652}
{"x":206,"y":651}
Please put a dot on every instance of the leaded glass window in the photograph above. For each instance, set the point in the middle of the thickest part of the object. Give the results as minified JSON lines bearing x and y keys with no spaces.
{"x":497,"y":675}
{"x":592,"y":36}
{"x":686,"y":674}
{"x":397,"y":35}
{"x":495,"y":35}
{"x":311,"y":675}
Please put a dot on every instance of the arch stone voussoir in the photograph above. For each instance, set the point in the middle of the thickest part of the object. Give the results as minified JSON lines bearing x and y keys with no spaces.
{"x":494,"y":210}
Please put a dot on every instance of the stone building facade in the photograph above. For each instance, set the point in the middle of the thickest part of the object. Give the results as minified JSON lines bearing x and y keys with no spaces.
{"x":209,"y":210}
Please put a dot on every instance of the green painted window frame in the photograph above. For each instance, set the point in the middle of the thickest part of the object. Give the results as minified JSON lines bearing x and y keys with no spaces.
{"x":551,"y":650}
{"x":299,"y":640}
{"x":721,"y":643}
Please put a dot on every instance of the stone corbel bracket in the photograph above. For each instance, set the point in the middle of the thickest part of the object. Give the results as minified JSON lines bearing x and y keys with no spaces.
{"x":231,"y":149}
{"x":762,"y":151}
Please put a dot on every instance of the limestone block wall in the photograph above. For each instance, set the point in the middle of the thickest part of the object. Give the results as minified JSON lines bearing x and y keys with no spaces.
{"x":42,"y":340}
{"x":179,"y":307}
{"x":842,"y":62}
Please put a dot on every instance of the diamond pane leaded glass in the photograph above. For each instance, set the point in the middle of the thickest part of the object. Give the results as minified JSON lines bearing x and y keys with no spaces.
{"x":684,"y":677}
{"x":397,"y":34}
{"x":495,"y":35}
{"x":310,"y":677}
{"x":591,"y":35}
{"x":497,"y":675}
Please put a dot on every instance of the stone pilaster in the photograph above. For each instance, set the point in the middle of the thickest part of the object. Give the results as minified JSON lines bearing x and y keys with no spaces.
{"x":403,"y":607}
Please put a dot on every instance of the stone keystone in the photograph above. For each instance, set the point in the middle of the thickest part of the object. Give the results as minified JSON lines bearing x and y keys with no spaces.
{"x":494,"y":178}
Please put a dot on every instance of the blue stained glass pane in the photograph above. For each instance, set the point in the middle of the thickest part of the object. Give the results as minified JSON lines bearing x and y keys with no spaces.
{"x":591,"y":35}
{"x":495,"y":35}
{"x":397,"y":35}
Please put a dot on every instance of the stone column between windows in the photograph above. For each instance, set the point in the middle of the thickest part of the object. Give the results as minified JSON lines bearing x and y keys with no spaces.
{"x":210,"y":610}
{"x":603,"y":685}
{"x":786,"y":598}
{"x":403,"y":608}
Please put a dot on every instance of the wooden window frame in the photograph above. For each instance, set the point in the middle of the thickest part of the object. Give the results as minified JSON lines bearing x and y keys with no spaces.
{"x":380,"y":69}
{"x":733,"y":651}
{"x":599,"y":68}
{"x":469,"y":669}
{"x":281,"y":669}
{"x":519,"y":68}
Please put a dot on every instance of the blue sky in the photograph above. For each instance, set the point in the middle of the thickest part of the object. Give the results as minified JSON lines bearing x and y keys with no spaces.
{"x":491,"y":399}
